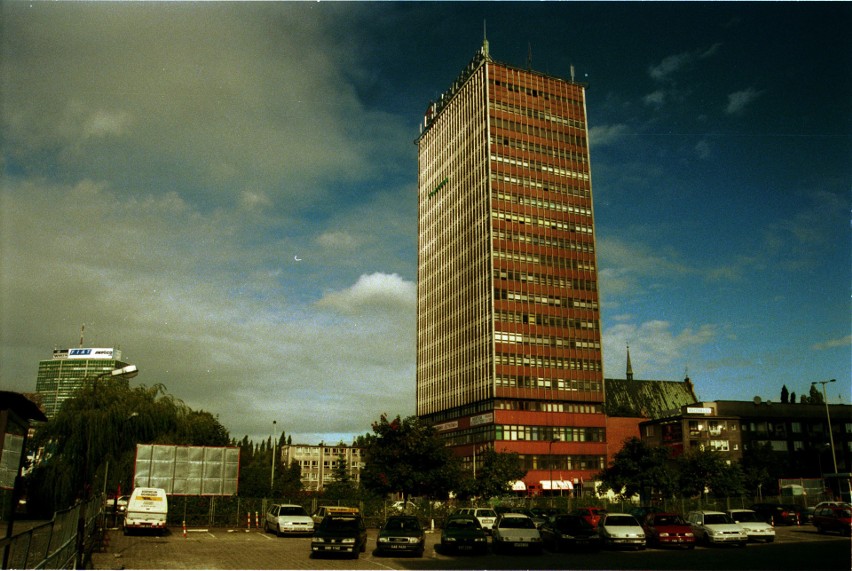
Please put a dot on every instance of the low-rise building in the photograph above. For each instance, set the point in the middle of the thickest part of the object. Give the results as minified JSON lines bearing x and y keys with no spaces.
{"x":319,"y":463}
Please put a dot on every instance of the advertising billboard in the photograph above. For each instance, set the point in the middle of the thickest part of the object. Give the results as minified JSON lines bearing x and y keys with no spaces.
{"x":188,"y":470}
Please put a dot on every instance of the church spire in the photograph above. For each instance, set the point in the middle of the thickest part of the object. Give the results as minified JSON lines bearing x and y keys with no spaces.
{"x":629,"y":366}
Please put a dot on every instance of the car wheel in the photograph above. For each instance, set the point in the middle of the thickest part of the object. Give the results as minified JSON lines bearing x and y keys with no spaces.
{"x":266,"y":527}
{"x":278,"y":531}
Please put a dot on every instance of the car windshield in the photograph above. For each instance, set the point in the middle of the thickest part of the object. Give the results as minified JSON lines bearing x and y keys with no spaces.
{"x":292,"y":510}
{"x":340,"y":523}
{"x":569,"y":522}
{"x":458,"y":523}
{"x":716,"y":519}
{"x":402,"y":525}
{"x":745,"y":516}
{"x":668,"y":520}
{"x":517,"y":523}
{"x":621,"y":520}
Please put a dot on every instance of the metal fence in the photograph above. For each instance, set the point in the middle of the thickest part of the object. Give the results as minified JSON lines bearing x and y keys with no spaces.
{"x":56,"y":544}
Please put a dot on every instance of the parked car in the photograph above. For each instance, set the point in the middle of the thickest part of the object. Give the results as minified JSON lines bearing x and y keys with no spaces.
{"x":777,"y":514}
{"x":641,"y":512}
{"x":463,"y":533}
{"x":324,"y":511}
{"x":565,"y":532}
{"x":340,"y":533}
{"x":116,"y":505}
{"x":288,"y":518}
{"x":515,"y":531}
{"x":547,"y":513}
{"x":486,"y":516}
{"x":833,"y":518}
{"x":591,"y":515}
{"x":664,"y":529}
{"x":755,"y":528}
{"x":537,"y":518}
{"x":621,"y":530}
{"x":716,"y":528}
{"x":401,"y":534}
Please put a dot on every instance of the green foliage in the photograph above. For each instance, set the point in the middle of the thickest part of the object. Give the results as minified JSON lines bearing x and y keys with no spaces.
{"x":90,"y":445}
{"x":495,"y":474}
{"x":407,"y":457}
{"x":639,"y":469}
{"x":701,"y":470}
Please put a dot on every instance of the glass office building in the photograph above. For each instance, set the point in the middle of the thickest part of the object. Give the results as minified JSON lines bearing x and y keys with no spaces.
{"x":69,"y":369}
{"x":508,"y":324}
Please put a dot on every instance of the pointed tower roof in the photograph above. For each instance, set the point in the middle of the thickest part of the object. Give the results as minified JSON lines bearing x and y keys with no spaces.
{"x":629,"y":366}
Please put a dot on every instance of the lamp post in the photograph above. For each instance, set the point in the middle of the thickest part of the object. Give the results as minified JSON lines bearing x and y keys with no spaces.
{"x":123,"y":373}
{"x":550,"y":455}
{"x":828,"y":419}
{"x":272,"y":476}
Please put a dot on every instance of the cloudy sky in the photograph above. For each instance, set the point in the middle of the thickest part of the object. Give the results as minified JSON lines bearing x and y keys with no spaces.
{"x":227,"y":192}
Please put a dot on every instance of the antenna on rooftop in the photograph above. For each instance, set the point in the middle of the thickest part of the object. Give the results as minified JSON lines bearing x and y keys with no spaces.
{"x":484,"y":39}
{"x":529,"y":56}
{"x":82,"y":329}
{"x":572,"y":73}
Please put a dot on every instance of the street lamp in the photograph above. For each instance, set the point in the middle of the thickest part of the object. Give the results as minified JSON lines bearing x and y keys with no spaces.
{"x":122,"y":373}
{"x":550,"y":455}
{"x":272,"y":477}
{"x":828,"y":418}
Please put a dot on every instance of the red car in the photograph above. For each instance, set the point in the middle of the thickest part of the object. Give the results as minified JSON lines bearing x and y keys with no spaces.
{"x":591,"y":515}
{"x":668,"y":530}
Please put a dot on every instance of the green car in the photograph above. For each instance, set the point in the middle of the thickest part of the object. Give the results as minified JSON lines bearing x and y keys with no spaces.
{"x":463,"y":534}
{"x":401,"y":534}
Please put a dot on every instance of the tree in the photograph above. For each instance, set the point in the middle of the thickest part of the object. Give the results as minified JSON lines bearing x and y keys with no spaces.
{"x":762,"y":468}
{"x":785,"y":395}
{"x":90,"y":444}
{"x":407,"y":457}
{"x":495,"y":474}
{"x":639,"y":469}
{"x":815,"y":396}
{"x":342,"y":487}
{"x":704,"y":470}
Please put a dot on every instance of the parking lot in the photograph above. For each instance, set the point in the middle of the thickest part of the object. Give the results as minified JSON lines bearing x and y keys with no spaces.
{"x":794,"y":548}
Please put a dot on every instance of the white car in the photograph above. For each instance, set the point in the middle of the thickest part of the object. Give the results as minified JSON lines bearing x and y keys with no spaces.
{"x":514,"y":531}
{"x":755,"y":528}
{"x":288,"y":518}
{"x":716,"y":528}
{"x":621,"y":530}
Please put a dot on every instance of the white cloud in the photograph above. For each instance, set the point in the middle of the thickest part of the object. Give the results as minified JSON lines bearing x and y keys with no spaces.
{"x":669,"y":66}
{"x":845,"y":341}
{"x":603,"y":135}
{"x":739,"y":100}
{"x":377,"y":292}
{"x":654,"y":347}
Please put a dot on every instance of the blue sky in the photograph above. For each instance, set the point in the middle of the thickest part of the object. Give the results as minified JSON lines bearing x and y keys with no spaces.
{"x":227,"y":192}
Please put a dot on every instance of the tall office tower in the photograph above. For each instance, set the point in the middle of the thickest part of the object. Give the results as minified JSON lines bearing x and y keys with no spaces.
{"x":59,"y":378}
{"x":508,"y":325}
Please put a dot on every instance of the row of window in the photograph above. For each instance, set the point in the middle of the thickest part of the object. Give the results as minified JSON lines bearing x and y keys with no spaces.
{"x":548,"y":406}
{"x":537,"y":114}
{"x":542,"y":221}
{"x":561,"y":462}
{"x":529,"y":146}
{"x":506,"y":295}
{"x":548,"y":241}
{"x":545,"y":320}
{"x":535,"y":93}
{"x":546,"y":280}
{"x":550,"y":433}
{"x":527,"y":182}
{"x":545,"y":340}
{"x":541,"y":167}
{"x":525,"y":382}
{"x":539,"y":361}
{"x":547,"y":204}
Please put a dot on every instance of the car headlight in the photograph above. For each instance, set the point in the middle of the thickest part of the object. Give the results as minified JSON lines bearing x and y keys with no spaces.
{"x":689,"y":534}
{"x":318,"y":539}
{"x":664,"y":534}
{"x":383,"y":540}
{"x":479,"y":539}
{"x":452,"y":539}
{"x":348,"y":540}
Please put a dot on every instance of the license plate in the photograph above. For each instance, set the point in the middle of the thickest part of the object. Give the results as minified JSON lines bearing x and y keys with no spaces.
{"x":465,"y":547}
{"x":522,"y":544}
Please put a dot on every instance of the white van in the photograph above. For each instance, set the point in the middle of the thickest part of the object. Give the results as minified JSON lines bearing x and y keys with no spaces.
{"x":147,"y":508}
